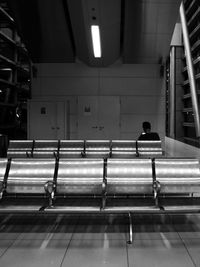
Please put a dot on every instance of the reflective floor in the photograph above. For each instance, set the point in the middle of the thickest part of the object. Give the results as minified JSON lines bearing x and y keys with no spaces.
{"x":72,"y":241}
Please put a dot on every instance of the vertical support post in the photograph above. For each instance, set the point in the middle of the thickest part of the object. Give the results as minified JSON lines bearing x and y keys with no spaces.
{"x":191,"y":75}
{"x":130,"y":241}
{"x":172,"y":93}
{"x":15,"y":80}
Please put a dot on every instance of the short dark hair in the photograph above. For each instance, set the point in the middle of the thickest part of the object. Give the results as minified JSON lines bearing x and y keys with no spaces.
{"x":146,"y":125}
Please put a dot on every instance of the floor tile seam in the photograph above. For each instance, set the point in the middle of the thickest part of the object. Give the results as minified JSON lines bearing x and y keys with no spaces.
{"x":127,"y":254}
{"x":190,"y":256}
{"x":69,"y":242}
{"x":37,"y":239}
{"x":156,"y":239}
{"x":105,"y":224}
{"x":100,"y":239}
{"x":12,"y":243}
{"x":50,"y":232}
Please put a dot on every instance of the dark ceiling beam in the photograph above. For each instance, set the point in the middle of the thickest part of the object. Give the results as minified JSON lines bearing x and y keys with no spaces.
{"x":45,"y":29}
{"x":106,"y":14}
{"x":26,"y":16}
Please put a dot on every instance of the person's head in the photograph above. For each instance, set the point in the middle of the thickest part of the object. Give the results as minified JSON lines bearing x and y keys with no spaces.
{"x":146,"y":126}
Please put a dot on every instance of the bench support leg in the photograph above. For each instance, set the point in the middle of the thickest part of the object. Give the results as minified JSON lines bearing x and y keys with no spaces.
{"x":130,"y":241}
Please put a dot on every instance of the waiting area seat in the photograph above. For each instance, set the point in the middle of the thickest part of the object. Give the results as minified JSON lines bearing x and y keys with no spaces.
{"x":149,"y":148}
{"x":20,"y":148}
{"x":24,"y":189}
{"x":84,"y":148}
{"x":45,"y":148}
{"x":94,"y":185}
{"x":71,"y":148}
{"x":128,"y":178}
{"x":123,"y":149}
{"x":97,"y":148}
{"x":79,"y":177}
{"x":179,"y":182}
{"x":3,"y":167}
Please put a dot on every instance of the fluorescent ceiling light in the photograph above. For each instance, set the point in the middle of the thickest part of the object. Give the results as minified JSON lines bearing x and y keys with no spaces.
{"x":96,"y":40}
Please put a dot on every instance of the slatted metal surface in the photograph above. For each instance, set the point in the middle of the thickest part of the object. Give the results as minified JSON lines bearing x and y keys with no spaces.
{"x":19,"y":148}
{"x":97,"y":148}
{"x":80,"y":176}
{"x":178,"y":175}
{"x":129,"y":176}
{"x":148,"y":148}
{"x":82,"y":183}
{"x":3,"y":165}
{"x":123,"y":149}
{"x":45,"y":148}
{"x":29,"y":175}
{"x":71,"y":148}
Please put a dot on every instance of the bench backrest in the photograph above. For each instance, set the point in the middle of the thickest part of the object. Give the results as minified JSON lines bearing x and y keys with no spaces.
{"x":97,"y":148}
{"x":71,"y":148}
{"x":84,"y":176}
{"x":45,"y":148}
{"x":3,"y":166}
{"x":129,"y":176}
{"x":19,"y":148}
{"x":123,"y":148}
{"x":178,"y":175}
{"x":29,"y":175}
{"x":149,"y":148}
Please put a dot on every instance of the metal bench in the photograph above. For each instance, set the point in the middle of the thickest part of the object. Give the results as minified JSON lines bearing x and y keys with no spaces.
{"x":20,"y":148}
{"x":71,"y":148}
{"x":45,"y":148}
{"x":179,"y":183}
{"x":3,"y":168}
{"x":26,"y":185}
{"x":97,"y":148}
{"x":92,"y":185}
{"x":130,"y":188}
{"x":123,"y":149}
{"x":79,"y":186}
{"x":149,"y":149}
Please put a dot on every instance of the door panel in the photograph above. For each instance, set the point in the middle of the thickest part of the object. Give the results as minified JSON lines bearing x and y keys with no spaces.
{"x":87,"y":117}
{"x":46,"y":120}
{"x":98,"y":117}
{"x":109,"y":115}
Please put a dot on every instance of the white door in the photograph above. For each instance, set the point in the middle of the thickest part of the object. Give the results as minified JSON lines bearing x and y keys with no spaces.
{"x":109,"y":117}
{"x":98,"y":117}
{"x":46,"y":120}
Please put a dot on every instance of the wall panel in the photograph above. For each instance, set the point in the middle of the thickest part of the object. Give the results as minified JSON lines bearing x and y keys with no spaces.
{"x":140,"y":88}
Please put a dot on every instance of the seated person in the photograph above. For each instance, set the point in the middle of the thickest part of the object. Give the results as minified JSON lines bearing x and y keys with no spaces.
{"x":147,"y":134}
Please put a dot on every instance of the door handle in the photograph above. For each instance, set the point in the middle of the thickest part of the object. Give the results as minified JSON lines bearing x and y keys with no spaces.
{"x":57,"y":128}
{"x":53,"y":128}
{"x":94,"y":127}
{"x":101,"y":128}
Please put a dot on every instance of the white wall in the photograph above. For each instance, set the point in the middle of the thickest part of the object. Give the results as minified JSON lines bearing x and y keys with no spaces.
{"x":140,"y":88}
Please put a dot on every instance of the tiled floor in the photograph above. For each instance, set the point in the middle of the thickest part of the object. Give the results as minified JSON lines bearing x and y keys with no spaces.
{"x":73,"y":241}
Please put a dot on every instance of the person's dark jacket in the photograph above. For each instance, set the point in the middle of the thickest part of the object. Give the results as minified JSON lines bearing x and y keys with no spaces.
{"x":149,"y":136}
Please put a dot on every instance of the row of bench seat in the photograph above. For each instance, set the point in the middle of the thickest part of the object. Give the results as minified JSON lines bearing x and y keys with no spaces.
{"x":162,"y":185}
{"x":81,"y":148}
{"x":103,"y":178}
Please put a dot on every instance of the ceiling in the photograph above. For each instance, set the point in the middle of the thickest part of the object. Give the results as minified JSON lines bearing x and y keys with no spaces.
{"x":137,"y":31}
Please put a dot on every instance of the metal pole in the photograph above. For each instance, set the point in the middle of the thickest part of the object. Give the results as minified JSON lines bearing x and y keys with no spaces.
{"x":172,"y":93}
{"x":130,"y":241}
{"x":191,"y":75}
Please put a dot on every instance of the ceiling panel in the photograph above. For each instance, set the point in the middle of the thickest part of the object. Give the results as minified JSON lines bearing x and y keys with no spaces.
{"x":138,"y":31}
{"x":106,"y":14}
{"x":149,"y":43}
{"x":150,"y":17}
